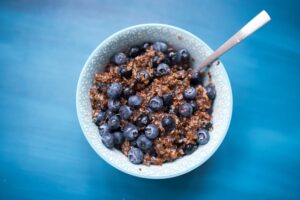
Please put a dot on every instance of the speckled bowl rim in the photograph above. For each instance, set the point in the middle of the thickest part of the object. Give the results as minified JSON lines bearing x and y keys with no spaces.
{"x":189,"y":167}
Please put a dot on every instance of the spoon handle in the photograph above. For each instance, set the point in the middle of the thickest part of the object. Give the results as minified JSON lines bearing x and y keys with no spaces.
{"x":258,"y":21}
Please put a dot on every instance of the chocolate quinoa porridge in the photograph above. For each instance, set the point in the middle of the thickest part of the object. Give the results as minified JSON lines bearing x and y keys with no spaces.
{"x":150,"y":105}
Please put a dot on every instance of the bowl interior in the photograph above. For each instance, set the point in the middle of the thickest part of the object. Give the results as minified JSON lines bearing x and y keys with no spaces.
{"x":179,"y":39}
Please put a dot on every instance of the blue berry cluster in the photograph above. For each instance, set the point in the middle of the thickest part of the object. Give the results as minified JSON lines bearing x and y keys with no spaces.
{"x":116,"y":120}
{"x":141,"y":131}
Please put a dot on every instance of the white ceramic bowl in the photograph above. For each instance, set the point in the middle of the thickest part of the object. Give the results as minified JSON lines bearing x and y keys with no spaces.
{"x":179,"y":38}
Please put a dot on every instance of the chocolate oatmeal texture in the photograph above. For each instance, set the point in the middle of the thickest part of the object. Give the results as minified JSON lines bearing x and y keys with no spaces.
{"x":147,"y":82}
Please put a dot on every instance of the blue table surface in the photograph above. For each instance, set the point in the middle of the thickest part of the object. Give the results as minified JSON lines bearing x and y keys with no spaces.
{"x":43,"y":153}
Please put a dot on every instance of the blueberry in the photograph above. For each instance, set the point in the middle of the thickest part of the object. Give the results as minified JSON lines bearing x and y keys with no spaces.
{"x":113,"y":105}
{"x":156,"y":103}
{"x":154,"y":61}
{"x":143,"y":143}
{"x":118,"y":137}
{"x":168,"y":123}
{"x":124,"y":72}
{"x":100,"y":117}
{"x":183,"y":56}
{"x":163,"y":69}
{"x":134,"y":51}
{"x":130,"y":132}
{"x":114,"y":91}
{"x":160,"y":46}
{"x":142,"y":120}
{"x":135,"y":101}
{"x":108,"y":140}
{"x":143,"y":76}
{"x":102,"y":87}
{"x":203,"y":136}
{"x":194,"y":105}
{"x":185,"y":110}
{"x":146,"y":45}
{"x":109,"y":114}
{"x":125,"y":112}
{"x":114,"y":122}
{"x":189,"y":149}
{"x":151,"y":131}
{"x":211,"y":91}
{"x":167,"y":99}
{"x":190,"y":93}
{"x":172,"y":57}
{"x":119,"y":59}
{"x":196,"y":78}
{"x":103,"y":130}
{"x":127,"y":92}
{"x":135,"y":155}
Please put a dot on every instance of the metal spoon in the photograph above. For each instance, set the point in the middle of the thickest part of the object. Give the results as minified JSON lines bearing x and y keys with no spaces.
{"x":257,"y":22}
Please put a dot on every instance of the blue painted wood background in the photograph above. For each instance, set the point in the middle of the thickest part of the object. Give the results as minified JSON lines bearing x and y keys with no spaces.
{"x":43,"y":153}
